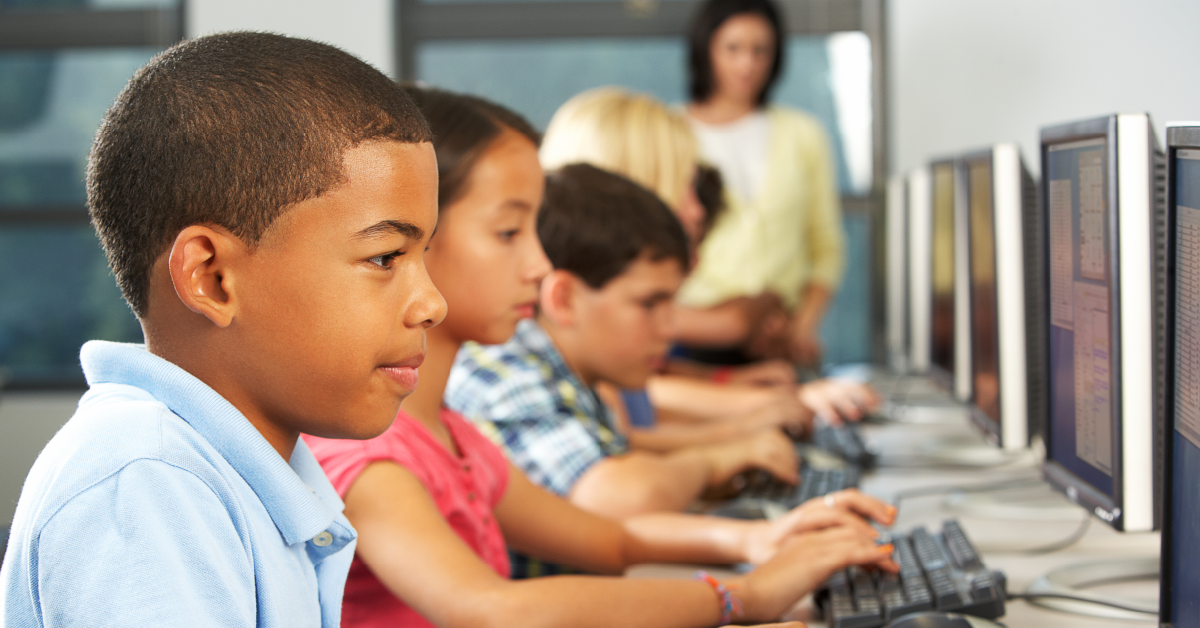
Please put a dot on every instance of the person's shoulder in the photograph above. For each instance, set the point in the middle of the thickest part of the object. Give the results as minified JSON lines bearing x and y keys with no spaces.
{"x":115,"y":427}
{"x":486,"y":379}
{"x":798,"y":121}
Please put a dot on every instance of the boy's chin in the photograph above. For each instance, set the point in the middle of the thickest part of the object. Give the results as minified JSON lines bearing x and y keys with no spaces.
{"x":365,"y":428}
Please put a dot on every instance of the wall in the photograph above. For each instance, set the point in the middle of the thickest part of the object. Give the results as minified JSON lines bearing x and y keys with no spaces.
{"x":967,"y":74}
{"x":27,"y":421}
{"x":363,"y":27}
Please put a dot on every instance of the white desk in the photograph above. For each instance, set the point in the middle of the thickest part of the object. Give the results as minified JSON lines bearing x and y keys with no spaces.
{"x":1002,"y":543}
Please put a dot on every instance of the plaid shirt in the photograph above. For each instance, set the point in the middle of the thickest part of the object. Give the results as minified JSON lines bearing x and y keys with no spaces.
{"x":523,"y":396}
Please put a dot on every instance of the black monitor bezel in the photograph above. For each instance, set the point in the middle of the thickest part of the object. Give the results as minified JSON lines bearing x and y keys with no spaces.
{"x":942,"y":377}
{"x":1059,"y":476}
{"x":1177,"y":138}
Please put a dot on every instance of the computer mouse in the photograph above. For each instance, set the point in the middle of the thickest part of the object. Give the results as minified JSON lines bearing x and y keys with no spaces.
{"x":933,"y":619}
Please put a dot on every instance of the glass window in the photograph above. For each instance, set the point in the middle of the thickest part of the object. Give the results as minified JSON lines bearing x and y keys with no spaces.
{"x":52,"y":104}
{"x":56,"y":291}
{"x":57,"y":294}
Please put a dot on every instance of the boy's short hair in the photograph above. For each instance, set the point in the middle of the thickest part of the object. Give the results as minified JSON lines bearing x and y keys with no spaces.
{"x":231,"y":130}
{"x":463,"y":129}
{"x":594,"y":224}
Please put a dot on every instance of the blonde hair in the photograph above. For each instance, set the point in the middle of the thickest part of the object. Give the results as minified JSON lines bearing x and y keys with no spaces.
{"x":631,"y":134}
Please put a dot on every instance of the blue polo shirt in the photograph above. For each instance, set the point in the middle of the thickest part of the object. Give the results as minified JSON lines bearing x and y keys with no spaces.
{"x":159,"y":504}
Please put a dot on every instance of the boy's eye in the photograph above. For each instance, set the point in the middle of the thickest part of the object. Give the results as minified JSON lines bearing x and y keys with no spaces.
{"x":385,"y":260}
{"x":508,"y":235}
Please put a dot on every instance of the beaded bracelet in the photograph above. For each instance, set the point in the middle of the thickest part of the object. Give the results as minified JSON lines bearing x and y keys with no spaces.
{"x":730,"y":605}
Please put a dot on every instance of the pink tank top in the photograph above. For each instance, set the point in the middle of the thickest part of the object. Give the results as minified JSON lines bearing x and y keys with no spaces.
{"x":466,"y":491}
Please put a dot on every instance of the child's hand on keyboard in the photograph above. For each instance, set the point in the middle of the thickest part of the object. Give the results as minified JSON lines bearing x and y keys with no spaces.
{"x":835,"y":399}
{"x":769,"y":450}
{"x":850,"y":500}
{"x":803,"y":563}
{"x":764,"y":541}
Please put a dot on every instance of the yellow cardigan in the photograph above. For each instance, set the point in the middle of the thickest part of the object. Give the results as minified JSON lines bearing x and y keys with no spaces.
{"x":789,"y":236}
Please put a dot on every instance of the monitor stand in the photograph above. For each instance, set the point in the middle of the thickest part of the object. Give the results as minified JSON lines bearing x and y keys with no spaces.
{"x":1073,"y":580}
{"x":965,"y":450}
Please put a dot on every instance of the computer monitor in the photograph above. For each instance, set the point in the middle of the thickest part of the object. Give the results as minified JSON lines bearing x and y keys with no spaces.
{"x":1102,"y":201}
{"x":1180,"y":576}
{"x":896,"y":234}
{"x":919,"y":290}
{"x":1004,"y":329}
{"x":942,"y":253}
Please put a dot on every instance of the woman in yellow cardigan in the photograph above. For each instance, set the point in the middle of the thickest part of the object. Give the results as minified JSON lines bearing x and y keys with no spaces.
{"x":781,"y":235}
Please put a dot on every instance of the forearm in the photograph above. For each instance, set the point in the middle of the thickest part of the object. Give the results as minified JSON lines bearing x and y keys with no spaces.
{"x":725,"y":325}
{"x":706,"y":400}
{"x":636,"y":483}
{"x":814,"y":301}
{"x":667,"y":437}
{"x":684,"y":538}
{"x":584,"y":601}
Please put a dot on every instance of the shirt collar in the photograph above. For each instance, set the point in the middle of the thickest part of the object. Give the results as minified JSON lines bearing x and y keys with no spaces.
{"x":297,"y":496}
{"x":536,"y":341}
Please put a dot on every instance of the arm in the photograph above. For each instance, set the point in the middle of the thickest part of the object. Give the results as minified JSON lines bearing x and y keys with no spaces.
{"x":826,"y":241}
{"x":419,"y":558}
{"x":764,"y":373}
{"x":804,"y":342}
{"x":634,"y":483}
{"x":539,"y":523}
{"x":716,"y":402}
{"x":723,"y":325}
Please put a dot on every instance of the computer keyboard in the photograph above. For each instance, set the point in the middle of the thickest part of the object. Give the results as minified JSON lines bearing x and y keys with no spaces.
{"x":762,"y":495}
{"x":844,"y":441}
{"x":940,"y":572}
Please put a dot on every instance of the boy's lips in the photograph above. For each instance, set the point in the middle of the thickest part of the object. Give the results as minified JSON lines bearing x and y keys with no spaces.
{"x":404,"y":372}
{"x":525,"y":310}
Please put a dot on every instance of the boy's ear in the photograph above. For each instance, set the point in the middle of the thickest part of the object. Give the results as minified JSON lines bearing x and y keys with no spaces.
{"x":556,"y":297}
{"x":199,"y":265}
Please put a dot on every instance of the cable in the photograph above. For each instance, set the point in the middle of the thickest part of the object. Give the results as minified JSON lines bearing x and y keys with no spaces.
{"x":929,"y":491}
{"x":1077,"y":598}
{"x":1065,"y":543}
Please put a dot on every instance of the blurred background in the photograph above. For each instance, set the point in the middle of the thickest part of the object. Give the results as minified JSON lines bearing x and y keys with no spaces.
{"x":896,"y":83}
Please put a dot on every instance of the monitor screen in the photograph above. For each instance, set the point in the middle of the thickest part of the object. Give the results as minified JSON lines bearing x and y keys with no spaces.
{"x":1184,"y":607}
{"x":985,"y":341}
{"x":1082,"y":318}
{"x":942,"y":268}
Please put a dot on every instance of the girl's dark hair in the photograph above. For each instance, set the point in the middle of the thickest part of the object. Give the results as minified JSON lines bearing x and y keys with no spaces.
{"x":708,"y":19}
{"x":595,"y":223}
{"x":710,"y":190}
{"x":463,"y":129}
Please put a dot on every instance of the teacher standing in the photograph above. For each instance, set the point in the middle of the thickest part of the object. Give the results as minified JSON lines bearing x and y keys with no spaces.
{"x":780,"y":239}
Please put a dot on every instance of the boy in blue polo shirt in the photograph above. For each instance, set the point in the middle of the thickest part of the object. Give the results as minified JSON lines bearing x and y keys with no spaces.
{"x":264,"y":203}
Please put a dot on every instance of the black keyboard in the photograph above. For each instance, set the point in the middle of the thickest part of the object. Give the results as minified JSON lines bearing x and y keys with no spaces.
{"x":939,"y":572}
{"x":844,"y":441}
{"x":762,"y":492}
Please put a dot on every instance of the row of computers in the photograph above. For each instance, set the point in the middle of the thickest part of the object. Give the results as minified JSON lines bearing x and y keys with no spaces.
{"x":1066,"y":315}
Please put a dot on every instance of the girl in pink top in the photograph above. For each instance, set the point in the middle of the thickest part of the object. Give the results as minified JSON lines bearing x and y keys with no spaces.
{"x":434,"y":502}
